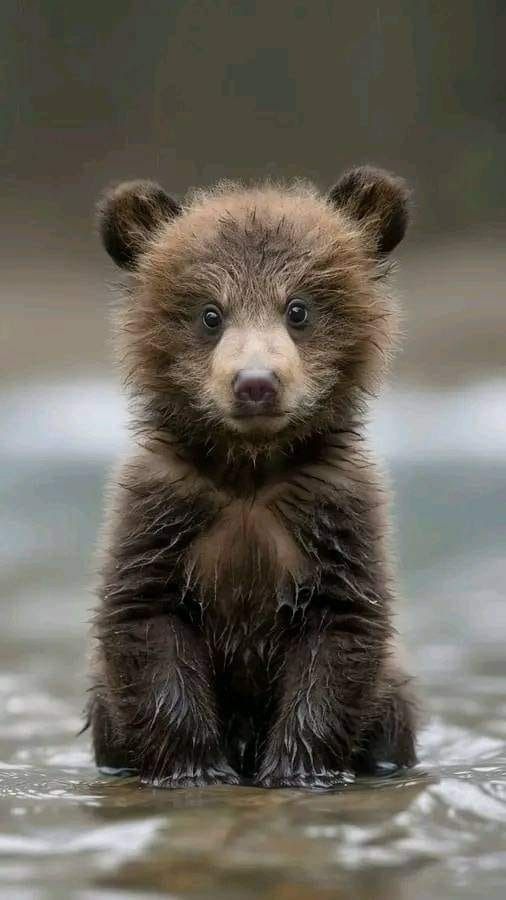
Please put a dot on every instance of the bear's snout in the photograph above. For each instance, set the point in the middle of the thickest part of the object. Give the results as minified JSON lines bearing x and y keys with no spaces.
{"x":255,"y":390}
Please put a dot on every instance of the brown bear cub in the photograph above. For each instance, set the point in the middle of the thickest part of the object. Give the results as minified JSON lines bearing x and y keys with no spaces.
{"x":244,"y":631}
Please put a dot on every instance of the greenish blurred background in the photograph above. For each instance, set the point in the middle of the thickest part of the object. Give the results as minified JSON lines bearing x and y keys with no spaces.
{"x":186,"y":93}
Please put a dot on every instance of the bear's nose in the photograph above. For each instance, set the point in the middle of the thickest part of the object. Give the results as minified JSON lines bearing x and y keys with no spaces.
{"x":255,"y":386}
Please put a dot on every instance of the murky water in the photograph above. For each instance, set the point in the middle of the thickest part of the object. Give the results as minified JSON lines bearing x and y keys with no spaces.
{"x":438,"y":831}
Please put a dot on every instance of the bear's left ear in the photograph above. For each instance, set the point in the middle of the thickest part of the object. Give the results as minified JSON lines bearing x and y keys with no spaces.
{"x":129,"y":214}
{"x":376,"y":199}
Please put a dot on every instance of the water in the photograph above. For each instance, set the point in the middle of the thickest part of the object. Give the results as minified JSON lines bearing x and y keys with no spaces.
{"x":437,"y":831}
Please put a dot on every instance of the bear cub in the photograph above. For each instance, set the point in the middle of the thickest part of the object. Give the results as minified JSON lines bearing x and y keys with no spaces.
{"x":244,"y":631}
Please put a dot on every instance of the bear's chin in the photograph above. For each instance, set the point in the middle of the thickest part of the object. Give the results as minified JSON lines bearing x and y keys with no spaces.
{"x":258,"y":426}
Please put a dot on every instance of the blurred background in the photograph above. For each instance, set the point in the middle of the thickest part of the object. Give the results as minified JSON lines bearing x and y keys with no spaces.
{"x":187,"y":92}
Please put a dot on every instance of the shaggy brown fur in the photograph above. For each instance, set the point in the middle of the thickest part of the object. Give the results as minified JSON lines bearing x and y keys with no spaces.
{"x":244,"y":629}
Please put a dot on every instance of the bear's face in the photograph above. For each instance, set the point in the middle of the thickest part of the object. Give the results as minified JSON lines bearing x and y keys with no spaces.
{"x":256,"y":315}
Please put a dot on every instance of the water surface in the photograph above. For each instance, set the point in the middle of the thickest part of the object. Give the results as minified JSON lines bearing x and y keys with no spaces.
{"x":437,"y":831}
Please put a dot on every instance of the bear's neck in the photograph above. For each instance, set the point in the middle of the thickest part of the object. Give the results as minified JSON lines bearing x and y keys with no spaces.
{"x":243,"y":471}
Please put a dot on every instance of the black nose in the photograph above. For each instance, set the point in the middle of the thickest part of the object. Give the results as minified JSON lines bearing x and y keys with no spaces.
{"x":255,"y":386}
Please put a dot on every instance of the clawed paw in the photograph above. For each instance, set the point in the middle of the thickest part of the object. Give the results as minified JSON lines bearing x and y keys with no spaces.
{"x":197,"y":778}
{"x":325,"y":780}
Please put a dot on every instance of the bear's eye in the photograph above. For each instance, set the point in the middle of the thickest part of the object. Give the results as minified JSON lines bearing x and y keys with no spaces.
{"x":212,"y":319}
{"x":297,"y":313}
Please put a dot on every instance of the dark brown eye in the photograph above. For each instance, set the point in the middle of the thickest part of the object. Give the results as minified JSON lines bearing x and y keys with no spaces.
{"x":212,"y":319}
{"x":297,"y":314}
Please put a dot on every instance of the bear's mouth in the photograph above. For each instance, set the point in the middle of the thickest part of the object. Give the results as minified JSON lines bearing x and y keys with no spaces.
{"x":262,"y":421}
{"x":255,"y":409}
{"x":258,"y":414}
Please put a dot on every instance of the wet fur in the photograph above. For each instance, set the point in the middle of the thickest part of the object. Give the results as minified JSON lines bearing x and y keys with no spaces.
{"x":244,"y":630}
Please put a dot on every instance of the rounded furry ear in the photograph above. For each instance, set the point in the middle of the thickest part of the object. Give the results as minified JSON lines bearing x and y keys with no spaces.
{"x":378,"y":200}
{"x":129,"y":214}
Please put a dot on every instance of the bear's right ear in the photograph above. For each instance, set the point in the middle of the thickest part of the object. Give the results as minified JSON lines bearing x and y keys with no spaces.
{"x":376,"y":199}
{"x":129,"y":214}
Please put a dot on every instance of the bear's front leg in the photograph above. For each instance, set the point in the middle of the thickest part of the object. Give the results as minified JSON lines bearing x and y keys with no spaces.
{"x":156,"y":704}
{"x":327,"y":683}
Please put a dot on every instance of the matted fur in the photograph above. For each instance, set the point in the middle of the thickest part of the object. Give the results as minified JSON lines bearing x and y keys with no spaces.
{"x":244,"y":629}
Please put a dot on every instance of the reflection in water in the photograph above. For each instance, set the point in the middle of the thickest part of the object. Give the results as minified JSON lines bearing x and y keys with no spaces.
{"x":436,"y":831}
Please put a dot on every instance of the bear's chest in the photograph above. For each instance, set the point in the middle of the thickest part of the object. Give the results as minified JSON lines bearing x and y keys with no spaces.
{"x":246,"y":558}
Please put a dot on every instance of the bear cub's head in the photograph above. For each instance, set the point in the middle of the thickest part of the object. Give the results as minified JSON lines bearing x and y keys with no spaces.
{"x":255,"y":316}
